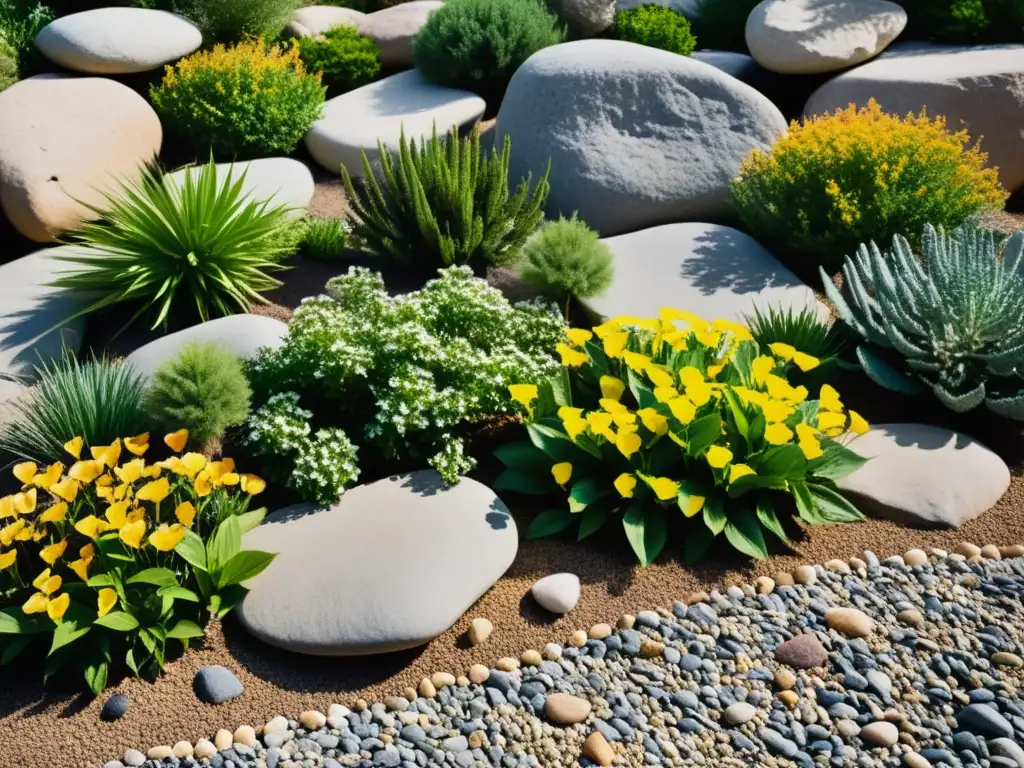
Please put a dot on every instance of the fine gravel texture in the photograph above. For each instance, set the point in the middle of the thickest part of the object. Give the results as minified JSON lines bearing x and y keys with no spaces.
{"x":921,"y":667}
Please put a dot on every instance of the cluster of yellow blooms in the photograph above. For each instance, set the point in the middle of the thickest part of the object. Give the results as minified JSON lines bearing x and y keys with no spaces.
{"x":684,"y":392}
{"x":251,"y":57}
{"x":113,"y":484}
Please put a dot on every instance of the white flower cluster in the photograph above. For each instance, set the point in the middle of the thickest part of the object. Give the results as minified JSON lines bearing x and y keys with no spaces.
{"x":403,"y":374}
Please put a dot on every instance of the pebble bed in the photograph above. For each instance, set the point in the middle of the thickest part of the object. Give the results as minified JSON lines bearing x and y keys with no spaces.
{"x":919,"y":665}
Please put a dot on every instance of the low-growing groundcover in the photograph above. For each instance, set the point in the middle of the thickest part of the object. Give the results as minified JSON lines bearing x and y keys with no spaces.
{"x":110,"y":561}
{"x":401,"y":377}
{"x":677,"y":416}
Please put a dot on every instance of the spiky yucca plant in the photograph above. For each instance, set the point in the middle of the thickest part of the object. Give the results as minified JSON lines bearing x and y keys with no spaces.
{"x":445,"y":202}
{"x":956,"y":316}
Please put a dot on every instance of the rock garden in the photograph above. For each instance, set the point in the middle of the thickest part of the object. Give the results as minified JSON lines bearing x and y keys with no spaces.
{"x":511,"y":383}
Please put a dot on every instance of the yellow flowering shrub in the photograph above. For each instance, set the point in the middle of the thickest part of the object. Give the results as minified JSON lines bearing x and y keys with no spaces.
{"x":860,"y":175}
{"x":680,"y":417}
{"x":246,"y":100}
{"x":108,"y":559}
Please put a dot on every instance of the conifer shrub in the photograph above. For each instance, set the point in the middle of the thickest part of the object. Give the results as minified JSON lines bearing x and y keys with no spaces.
{"x":231,"y":21}
{"x":655,"y":26}
{"x":566,"y":259}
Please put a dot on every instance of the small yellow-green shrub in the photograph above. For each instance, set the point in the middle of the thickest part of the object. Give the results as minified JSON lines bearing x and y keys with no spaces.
{"x":861,"y":175}
{"x":248,"y":100}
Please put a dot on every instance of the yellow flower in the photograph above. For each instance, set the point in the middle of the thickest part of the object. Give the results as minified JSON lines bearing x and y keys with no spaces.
{"x":7,"y":559}
{"x":615,"y":343}
{"x":690,"y":376}
{"x":694,"y":504}
{"x":858,"y":425}
{"x":778,"y":434}
{"x":625,"y":484}
{"x":218,"y":468}
{"x":564,"y":412}
{"x":252,"y":484}
{"x":611,"y":406}
{"x":186,"y":513}
{"x":670,"y":315}
{"x":7,"y":534}
{"x":152,"y":471}
{"x":86,"y":471}
{"x":635,"y":361}
{"x":230,"y":478}
{"x":736,"y":471}
{"x":682,"y":409}
{"x":25,"y":471}
{"x":571,"y":358}
{"x":579,"y":336}
{"x":25,"y":503}
{"x":699,"y":394}
{"x":117,"y":514}
{"x":58,"y":606}
{"x":203,"y":485}
{"x":677,"y":440}
{"x":7,"y":507}
{"x":35,"y":604}
{"x":828,"y":399}
{"x":45,"y":480}
{"x":132,"y":533}
{"x":66,"y":489}
{"x":88,"y":552}
{"x":665,"y":394}
{"x":130,"y":471}
{"x":653,"y":421}
{"x":81,"y":568}
{"x":74,"y":447}
{"x":524,"y":394}
{"x":105,"y":601}
{"x":155,"y":491}
{"x":52,"y":553}
{"x":664,"y":488}
{"x":718,"y":456}
{"x":176,"y":440}
{"x":601,"y":424}
{"x":625,"y":419}
{"x":192,"y":464}
{"x":761,"y":367}
{"x":803,"y":361}
{"x":831,"y":423}
{"x":612,"y":388}
{"x":574,"y":426}
{"x":605,"y":329}
{"x":628,"y":443}
{"x":91,"y":526}
{"x":562,"y":472}
{"x":714,"y":370}
{"x":107,"y":454}
{"x":137,"y":445}
{"x":808,"y":442}
{"x":46,"y":583}
{"x":165,"y":538}
{"x":659,"y":376}
{"x":135,"y":515}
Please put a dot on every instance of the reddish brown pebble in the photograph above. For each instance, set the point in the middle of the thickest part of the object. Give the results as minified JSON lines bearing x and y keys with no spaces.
{"x":802,"y":652}
{"x":649,"y":649}
{"x":597,"y":749}
{"x":1014,"y":550}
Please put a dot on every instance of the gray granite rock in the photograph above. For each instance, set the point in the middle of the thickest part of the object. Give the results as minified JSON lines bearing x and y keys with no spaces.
{"x":216,"y":684}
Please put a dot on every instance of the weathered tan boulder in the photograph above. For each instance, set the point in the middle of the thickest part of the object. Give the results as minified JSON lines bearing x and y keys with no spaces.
{"x":394,"y":28}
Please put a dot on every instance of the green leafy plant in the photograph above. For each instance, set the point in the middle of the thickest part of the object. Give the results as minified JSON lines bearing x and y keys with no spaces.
{"x":203,"y":389}
{"x":836,"y":181}
{"x":96,"y":400}
{"x":677,"y":416}
{"x":231,"y":21}
{"x":201,"y":247}
{"x":249,"y":100}
{"x":656,"y":26}
{"x":806,"y":331}
{"x":721,"y":24}
{"x":445,"y":202}
{"x":326,"y":239}
{"x":113,"y":590}
{"x":20,"y":22}
{"x":566,"y":259}
{"x":8,"y":64}
{"x":401,"y":376}
{"x":952,"y":323}
{"x":477,"y":45}
{"x":344,"y":59}
{"x":965,"y":22}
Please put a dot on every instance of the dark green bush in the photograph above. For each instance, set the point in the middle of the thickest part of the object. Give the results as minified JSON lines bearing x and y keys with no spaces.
{"x":203,"y":390}
{"x":722,"y":24}
{"x":231,"y":21}
{"x":655,"y":26}
{"x":479,"y":44}
{"x":344,"y":59}
{"x":965,"y":21}
{"x":567,"y":259}
{"x":8,"y":65}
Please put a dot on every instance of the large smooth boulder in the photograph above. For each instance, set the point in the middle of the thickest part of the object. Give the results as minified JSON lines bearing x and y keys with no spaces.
{"x":978,"y":88}
{"x":244,"y":335}
{"x":394,"y":28}
{"x":787,"y":92}
{"x":925,"y":476}
{"x":355,"y":121}
{"x":118,"y":41}
{"x":314,"y":20}
{"x":805,"y":37}
{"x":367,"y":575}
{"x":708,"y":269}
{"x":585,"y":18}
{"x":276,"y":180}
{"x":31,"y":313}
{"x":636,"y":136}
{"x":63,"y":142}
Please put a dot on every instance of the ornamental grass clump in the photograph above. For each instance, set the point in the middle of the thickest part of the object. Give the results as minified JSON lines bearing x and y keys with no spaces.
{"x":325,"y":239}
{"x":679,"y":417}
{"x":249,"y":100}
{"x":443,"y":203}
{"x":951,"y":322}
{"x":111,"y":561}
{"x":401,"y":377}
{"x":656,"y":26}
{"x":860,"y":175}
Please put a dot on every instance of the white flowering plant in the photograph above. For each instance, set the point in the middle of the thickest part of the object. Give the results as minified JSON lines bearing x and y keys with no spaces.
{"x":402,"y":376}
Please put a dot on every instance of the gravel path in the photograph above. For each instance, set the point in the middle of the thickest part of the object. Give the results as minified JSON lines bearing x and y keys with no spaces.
{"x":918,"y":664}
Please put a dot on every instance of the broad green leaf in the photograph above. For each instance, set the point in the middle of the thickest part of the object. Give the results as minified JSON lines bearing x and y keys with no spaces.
{"x":14,"y":649}
{"x":539,"y":483}
{"x":225,"y":544}
{"x":550,"y":522}
{"x":805,"y":505}
{"x":95,"y":674}
{"x":688,"y":489}
{"x":743,"y":359}
{"x":714,"y":514}
{"x":755,"y":438}
{"x":158,"y":577}
{"x":192,"y":550}
{"x":703,"y":432}
{"x":593,"y":519}
{"x":646,"y":531}
{"x":747,"y":483}
{"x":738,"y":416}
{"x":76,"y":623}
{"x":769,"y":518}
{"x":249,"y":520}
{"x":179,"y":593}
{"x":663,"y":455}
{"x":185,"y":629}
{"x":836,"y":461}
{"x":698,"y":541}
{"x":244,"y":566}
{"x":110,"y":545}
{"x":523,"y":455}
{"x":785,"y":461}
{"x":552,"y":394}
{"x":129,"y":659}
{"x":205,"y":583}
{"x":643,"y":394}
{"x":550,"y":438}
{"x":832,"y":506}
{"x":744,"y":533}
{"x":119,"y":621}
{"x":14,"y":622}
{"x":585,"y":492}
{"x":227,"y":600}
{"x":100,"y":580}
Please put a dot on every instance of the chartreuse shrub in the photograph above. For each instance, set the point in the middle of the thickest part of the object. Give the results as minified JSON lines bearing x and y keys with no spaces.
{"x":8,"y":64}
{"x":20,"y":22}
{"x":656,"y":26}
{"x":401,"y":377}
{"x":195,"y":250}
{"x":441,"y":203}
{"x":249,"y":100}
{"x":951,"y":322}
{"x":566,"y":259}
{"x":965,"y":21}
{"x":860,"y":175}
{"x":202,"y":389}
{"x":477,"y":45}
{"x":110,"y":561}
{"x":344,"y":59}
{"x":680,"y":417}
